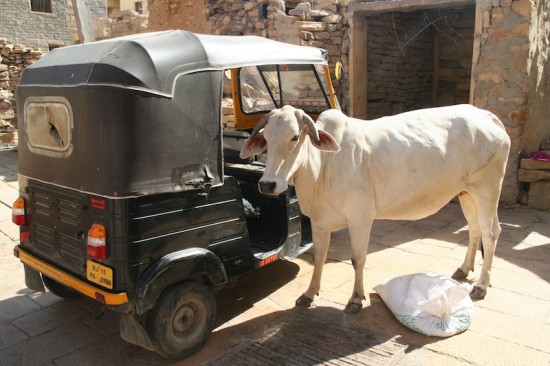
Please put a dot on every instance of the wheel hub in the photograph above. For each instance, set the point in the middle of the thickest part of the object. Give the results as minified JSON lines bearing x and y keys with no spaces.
{"x":184,"y":318}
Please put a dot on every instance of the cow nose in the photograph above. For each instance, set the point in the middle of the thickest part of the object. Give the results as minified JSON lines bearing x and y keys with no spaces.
{"x":267,"y":187}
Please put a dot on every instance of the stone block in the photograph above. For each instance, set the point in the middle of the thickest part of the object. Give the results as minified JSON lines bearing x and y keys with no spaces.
{"x":312,"y":26}
{"x":7,"y":114}
{"x":534,"y":164}
{"x":334,"y":27}
{"x":539,"y":195}
{"x":533,"y":175}
{"x":308,"y":36}
{"x":302,"y":11}
{"x":332,"y":19}
{"x":7,"y":137}
{"x":227,"y":109}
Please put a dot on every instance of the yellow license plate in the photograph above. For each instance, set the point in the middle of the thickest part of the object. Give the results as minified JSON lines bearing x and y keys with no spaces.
{"x":100,"y":274}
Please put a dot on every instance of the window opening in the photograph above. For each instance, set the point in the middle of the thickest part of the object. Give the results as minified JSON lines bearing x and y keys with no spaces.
{"x":41,"y":6}
{"x":48,"y":125}
{"x":263,"y":88}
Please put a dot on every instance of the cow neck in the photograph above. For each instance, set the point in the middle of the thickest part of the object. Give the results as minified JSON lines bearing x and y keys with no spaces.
{"x":306,"y":177}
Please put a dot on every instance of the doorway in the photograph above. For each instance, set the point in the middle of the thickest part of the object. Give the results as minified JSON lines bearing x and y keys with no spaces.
{"x":406,"y":59}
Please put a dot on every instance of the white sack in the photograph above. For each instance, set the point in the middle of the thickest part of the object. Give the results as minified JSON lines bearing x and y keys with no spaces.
{"x":428,"y":303}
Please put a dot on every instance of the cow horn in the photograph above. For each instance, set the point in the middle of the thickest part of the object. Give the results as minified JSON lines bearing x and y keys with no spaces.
{"x":300,"y":114}
{"x":261,"y":124}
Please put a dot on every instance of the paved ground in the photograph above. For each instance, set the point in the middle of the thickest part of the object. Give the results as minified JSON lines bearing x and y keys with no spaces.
{"x":511,"y":326}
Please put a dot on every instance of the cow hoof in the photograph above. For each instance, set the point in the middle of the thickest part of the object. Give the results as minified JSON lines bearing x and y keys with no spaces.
{"x":459,"y":275}
{"x":353,"y":308}
{"x":478,"y":293}
{"x":304,"y":301}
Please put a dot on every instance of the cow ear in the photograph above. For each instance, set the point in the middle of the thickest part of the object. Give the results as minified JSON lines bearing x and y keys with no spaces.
{"x":326,"y":142}
{"x":253,"y":146}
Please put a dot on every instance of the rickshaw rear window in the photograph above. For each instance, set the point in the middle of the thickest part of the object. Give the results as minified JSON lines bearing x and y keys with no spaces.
{"x":263,"y":88}
{"x":48,"y":124}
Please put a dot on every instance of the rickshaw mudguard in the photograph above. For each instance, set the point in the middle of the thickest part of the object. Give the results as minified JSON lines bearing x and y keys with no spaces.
{"x":187,"y":264}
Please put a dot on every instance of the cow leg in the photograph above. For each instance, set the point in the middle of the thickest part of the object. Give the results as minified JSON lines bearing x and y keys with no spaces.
{"x":321,"y":241}
{"x":359,"y":235}
{"x":470,"y":213}
{"x":485,"y":200}
{"x":490,"y":231}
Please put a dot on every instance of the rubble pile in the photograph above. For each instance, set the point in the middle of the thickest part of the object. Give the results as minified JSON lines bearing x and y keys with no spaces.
{"x":14,"y":59}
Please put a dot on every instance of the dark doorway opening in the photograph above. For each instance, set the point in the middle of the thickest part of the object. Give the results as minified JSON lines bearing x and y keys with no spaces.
{"x":418,"y":59}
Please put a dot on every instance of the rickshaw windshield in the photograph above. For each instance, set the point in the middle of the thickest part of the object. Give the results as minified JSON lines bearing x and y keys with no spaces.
{"x":263,"y":88}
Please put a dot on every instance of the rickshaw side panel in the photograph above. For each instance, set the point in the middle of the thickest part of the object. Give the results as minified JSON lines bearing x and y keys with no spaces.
{"x":140,"y":230}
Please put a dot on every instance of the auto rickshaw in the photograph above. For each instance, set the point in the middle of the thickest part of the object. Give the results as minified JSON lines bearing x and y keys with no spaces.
{"x":131,"y":192}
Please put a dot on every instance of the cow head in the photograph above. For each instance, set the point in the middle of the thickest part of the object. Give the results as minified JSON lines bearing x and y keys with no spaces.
{"x":285,"y":134}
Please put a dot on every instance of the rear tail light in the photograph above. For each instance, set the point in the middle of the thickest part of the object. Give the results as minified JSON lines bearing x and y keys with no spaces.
{"x":19,"y":216}
{"x":97,"y":242}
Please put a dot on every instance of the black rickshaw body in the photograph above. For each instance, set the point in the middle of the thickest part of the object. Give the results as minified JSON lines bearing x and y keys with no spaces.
{"x":129,"y":185}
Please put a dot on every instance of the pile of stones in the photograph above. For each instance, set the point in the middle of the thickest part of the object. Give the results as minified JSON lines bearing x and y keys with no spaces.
{"x":15,"y":58}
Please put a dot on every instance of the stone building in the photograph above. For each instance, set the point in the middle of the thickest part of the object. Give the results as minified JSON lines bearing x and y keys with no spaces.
{"x":139,"y":6}
{"x":36,"y":26}
{"x":43,"y":24}
{"x":29,"y":28}
{"x":400,"y":55}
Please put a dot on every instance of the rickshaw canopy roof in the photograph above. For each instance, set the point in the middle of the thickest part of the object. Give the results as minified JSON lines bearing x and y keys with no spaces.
{"x":152,"y":61}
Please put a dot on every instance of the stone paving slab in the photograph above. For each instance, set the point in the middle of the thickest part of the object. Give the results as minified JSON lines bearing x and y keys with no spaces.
{"x":511,"y":327}
{"x":327,"y":341}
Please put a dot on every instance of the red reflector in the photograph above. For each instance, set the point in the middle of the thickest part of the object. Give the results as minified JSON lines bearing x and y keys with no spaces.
{"x":18,"y":215}
{"x":24,"y":236}
{"x":100,"y":297}
{"x":97,"y":203}
{"x":270,"y":259}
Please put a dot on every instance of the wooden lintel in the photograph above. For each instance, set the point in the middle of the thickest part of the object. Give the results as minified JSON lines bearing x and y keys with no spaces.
{"x":404,"y":5}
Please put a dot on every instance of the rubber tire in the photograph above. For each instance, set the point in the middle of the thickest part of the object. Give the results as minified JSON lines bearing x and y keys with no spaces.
{"x":190,"y":302}
{"x":59,"y":289}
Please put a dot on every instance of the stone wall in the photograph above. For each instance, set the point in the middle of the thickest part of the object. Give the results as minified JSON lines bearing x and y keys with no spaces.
{"x":399,"y":64}
{"x":97,"y":8}
{"x":239,"y":17}
{"x":39,"y":30}
{"x":536,"y":130}
{"x":507,"y":72}
{"x":500,"y":77}
{"x":418,"y":59}
{"x":494,"y":76}
{"x":15,"y":58}
{"x":179,"y":14}
{"x":537,"y":126}
{"x":455,"y":42}
{"x":121,"y":23}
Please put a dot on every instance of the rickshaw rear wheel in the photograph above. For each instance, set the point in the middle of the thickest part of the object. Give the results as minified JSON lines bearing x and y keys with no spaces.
{"x":182,"y":320}
{"x":59,"y":289}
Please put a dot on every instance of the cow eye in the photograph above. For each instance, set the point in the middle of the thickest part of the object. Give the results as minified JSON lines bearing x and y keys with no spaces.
{"x":295,"y":138}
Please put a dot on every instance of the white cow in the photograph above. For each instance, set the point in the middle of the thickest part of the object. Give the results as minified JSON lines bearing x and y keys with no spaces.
{"x":348,"y":172}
